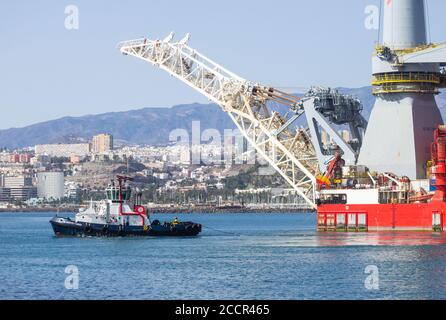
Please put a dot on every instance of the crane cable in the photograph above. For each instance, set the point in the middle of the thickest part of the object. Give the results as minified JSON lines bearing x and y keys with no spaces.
{"x":221,"y":231}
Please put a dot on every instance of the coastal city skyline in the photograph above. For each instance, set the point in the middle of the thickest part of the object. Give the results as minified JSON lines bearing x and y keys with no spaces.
{"x":175,"y":176}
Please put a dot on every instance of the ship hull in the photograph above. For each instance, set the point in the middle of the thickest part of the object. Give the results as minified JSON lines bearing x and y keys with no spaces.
{"x":382,"y":217}
{"x":65,"y":227}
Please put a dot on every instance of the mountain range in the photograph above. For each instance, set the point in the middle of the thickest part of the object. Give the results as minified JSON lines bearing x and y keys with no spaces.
{"x":150,"y":126}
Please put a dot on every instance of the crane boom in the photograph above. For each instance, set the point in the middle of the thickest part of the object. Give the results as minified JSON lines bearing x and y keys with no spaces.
{"x":286,"y":148}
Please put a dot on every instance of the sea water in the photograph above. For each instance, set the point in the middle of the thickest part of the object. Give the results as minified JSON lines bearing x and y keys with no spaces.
{"x":237,"y":256}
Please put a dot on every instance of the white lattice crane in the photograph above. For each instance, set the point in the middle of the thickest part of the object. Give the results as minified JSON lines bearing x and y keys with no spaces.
{"x":286,"y":148}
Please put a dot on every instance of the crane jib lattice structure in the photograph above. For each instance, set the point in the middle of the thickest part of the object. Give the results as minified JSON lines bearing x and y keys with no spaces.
{"x":273,"y":133}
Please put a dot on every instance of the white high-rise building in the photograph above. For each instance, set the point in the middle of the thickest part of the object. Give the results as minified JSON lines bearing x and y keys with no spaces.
{"x":63,"y":150}
{"x":17,"y":181}
{"x":102,"y":143}
{"x":50,"y":185}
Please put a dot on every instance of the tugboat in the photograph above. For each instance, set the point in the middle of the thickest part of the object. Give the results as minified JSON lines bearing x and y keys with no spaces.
{"x":114,"y":217}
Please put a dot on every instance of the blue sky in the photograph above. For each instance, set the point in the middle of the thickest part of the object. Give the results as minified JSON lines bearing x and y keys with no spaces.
{"x":47,"y":71}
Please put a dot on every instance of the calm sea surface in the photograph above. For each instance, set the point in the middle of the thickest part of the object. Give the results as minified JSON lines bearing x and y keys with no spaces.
{"x":250,"y":256}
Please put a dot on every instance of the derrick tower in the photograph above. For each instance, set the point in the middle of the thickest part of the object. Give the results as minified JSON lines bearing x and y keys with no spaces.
{"x":407,"y":74}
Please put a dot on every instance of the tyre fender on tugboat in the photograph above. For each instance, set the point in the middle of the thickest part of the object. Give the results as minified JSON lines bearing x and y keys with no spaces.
{"x":121,"y":230}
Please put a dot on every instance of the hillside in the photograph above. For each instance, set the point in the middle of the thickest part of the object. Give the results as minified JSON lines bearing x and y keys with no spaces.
{"x":145,"y":126}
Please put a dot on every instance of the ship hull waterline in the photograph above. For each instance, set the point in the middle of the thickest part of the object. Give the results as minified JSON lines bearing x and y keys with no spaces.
{"x":381,"y":217}
{"x":65,"y":227}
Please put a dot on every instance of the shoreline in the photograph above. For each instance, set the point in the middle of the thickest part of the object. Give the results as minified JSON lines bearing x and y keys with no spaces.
{"x":185,"y":210}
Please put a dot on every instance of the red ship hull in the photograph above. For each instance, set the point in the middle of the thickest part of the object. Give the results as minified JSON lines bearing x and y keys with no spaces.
{"x":382,"y":217}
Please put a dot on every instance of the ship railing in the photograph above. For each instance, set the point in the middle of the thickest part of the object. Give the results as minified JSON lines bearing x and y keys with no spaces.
{"x":406,"y":77}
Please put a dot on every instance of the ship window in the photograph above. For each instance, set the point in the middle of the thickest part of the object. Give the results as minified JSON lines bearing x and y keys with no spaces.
{"x":352,"y":220}
{"x":321,"y":220}
{"x":330,"y":220}
{"x":126,"y":194}
{"x":333,"y":199}
{"x":362,"y":221}
{"x":390,"y":196}
{"x":340,"y":219}
{"x":436,"y":219}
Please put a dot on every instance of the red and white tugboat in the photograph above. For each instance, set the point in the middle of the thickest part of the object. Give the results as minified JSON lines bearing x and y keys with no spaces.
{"x":351,"y":198}
{"x":115,"y":216}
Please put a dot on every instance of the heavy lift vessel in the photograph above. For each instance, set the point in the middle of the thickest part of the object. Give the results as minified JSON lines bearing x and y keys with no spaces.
{"x":389,"y":174}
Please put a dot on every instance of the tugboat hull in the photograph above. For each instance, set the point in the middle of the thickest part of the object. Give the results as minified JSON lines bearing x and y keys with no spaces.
{"x":65,"y":227}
